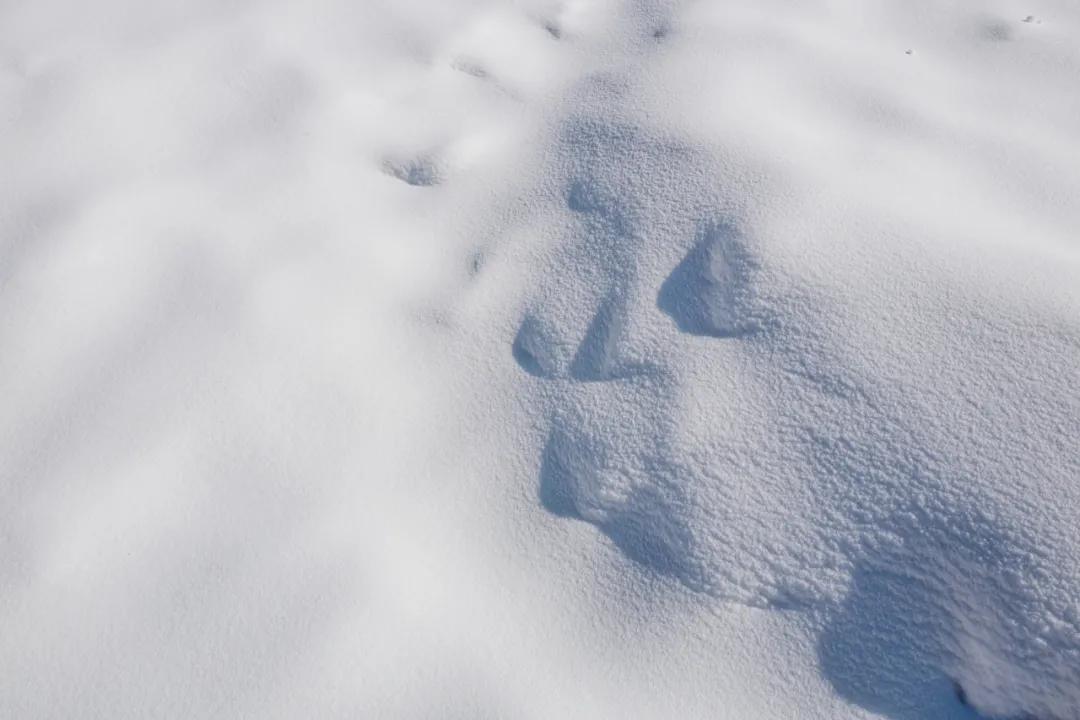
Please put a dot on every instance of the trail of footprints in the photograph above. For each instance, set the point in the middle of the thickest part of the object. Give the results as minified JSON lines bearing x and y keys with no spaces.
{"x":429,"y":167}
{"x":611,"y":458}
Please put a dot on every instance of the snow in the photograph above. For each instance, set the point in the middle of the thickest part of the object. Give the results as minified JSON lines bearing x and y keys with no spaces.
{"x":540,"y":358}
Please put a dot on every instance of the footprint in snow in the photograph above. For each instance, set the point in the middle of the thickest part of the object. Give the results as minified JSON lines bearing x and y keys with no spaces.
{"x":420,"y":171}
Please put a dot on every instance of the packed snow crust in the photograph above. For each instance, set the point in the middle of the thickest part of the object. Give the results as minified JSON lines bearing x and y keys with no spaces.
{"x":540,"y":358}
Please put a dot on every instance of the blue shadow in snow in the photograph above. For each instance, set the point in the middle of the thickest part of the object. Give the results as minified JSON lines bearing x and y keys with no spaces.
{"x":639,"y":532}
{"x":710,"y":292}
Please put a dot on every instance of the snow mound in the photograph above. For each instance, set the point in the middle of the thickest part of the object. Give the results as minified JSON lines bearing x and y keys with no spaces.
{"x":891,"y":453}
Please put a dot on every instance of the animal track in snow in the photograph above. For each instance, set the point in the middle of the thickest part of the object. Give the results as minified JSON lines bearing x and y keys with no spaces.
{"x":420,"y":171}
{"x":470,"y":67}
{"x":711,"y":292}
{"x":537,"y":350}
{"x":851,"y":473}
{"x":631,"y":495}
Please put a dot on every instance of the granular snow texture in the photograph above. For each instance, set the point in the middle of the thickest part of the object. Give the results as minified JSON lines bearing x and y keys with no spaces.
{"x":540,"y":358}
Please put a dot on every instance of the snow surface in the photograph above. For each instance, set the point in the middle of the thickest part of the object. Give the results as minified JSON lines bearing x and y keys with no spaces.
{"x":540,"y":359}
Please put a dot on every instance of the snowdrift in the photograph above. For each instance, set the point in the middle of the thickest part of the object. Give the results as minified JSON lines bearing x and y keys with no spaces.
{"x":540,"y":358}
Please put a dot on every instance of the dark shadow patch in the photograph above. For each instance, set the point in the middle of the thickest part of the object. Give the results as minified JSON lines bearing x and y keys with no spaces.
{"x":875,"y":650}
{"x":596,"y":359}
{"x":641,"y":528}
{"x":525,"y":358}
{"x":891,"y":645}
{"x":556,"y":495}
{"x":477,"y":261}
{"x":710,"y":292}
{"x":418,"y":172}
{"x":536,"y":351}
{"x":583,"y":197}
{"x":636,"y":538}
{"x":470,"y":67}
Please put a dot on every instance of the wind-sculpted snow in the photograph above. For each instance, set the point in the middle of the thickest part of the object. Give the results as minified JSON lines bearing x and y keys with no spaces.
{"x":539,"y":359}
{"x":912,"y":488}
